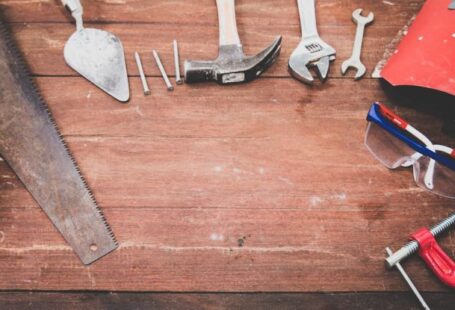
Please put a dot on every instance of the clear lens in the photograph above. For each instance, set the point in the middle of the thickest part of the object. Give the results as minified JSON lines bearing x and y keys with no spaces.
{"x":389,"y":150}
{"x":435,"y":177}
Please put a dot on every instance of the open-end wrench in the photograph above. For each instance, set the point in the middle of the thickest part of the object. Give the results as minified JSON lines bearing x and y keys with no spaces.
{"x":354,"y":61}
{"x":311,"y":51}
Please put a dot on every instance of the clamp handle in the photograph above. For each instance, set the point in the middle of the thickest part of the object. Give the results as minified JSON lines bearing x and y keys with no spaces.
{"x":438,"y":261}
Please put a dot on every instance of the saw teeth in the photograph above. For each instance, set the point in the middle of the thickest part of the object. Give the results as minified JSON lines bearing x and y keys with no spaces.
{"x":5,"y":31}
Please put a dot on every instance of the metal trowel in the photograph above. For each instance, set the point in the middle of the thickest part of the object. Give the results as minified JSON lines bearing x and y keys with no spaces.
{"x":97,"y":55}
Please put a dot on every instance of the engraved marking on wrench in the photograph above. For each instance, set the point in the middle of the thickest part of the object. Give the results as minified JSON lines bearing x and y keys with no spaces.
{"x":354,"y":61}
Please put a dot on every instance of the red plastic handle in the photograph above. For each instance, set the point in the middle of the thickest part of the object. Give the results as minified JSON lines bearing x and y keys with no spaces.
{"x":438,"y":261}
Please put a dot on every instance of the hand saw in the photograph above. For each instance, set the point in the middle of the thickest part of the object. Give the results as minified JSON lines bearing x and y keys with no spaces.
{"x":33,"y":147}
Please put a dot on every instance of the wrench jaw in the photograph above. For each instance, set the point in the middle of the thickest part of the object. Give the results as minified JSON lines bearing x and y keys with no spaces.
{"x":361,"y":69}
{"x":360,"y":72}
{"x":354,"y":61}
{"x":298,"y":67}
{"x":323,"y":67}
{"x":303,"y":58}
{"x":358,"y":17}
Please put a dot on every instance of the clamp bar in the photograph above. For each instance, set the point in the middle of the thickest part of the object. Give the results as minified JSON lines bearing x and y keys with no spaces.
{"x":409,"y":282}
{"x":413,"y":246}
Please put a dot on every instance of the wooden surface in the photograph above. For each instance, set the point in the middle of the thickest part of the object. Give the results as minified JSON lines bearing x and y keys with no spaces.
{"x":205,"y":301}
{"x":258,"y":187}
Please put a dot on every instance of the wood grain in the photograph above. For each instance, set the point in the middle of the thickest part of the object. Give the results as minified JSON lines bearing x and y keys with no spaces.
{"x":261,"y":109}
{"x":43,"y":44}
{"x":274,"y":146}
{"x":258,"y":187}
{"x":203,"y":12}
{"x":211,"y":249}
{"x":196,"y":223}
{"x":198,"y":39}
{"x":122,"y":301}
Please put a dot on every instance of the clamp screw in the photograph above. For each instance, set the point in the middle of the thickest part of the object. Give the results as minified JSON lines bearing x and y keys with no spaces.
{"x":412,"y":246}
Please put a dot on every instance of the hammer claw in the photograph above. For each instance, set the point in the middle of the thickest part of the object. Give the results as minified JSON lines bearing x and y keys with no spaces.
{"x":231,"y":65}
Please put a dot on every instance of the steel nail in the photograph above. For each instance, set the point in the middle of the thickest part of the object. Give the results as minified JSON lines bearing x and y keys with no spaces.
{"x":163,"y":72}
{"x":178,"y":79}
{"x":141,"y":73}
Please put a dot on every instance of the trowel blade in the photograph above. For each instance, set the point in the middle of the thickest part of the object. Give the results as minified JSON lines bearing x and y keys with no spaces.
{"x":98,"y":56}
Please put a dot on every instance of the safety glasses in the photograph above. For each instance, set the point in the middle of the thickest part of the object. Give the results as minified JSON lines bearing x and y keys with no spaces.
{"x":396,"y":144}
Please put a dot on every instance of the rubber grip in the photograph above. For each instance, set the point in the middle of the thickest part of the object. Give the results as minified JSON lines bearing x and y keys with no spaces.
{"x":198,"y":71}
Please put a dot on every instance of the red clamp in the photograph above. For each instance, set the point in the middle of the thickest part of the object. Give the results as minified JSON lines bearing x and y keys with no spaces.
{"x":438,"y":261}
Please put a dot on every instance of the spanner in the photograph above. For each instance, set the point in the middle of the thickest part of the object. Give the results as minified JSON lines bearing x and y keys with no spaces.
{"x":312,"y":50}
{"x":354,"y":61}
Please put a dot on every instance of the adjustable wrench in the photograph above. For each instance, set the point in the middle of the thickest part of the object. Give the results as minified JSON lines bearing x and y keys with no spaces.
{"x":312,"y":50}
{"x":354,"y":61}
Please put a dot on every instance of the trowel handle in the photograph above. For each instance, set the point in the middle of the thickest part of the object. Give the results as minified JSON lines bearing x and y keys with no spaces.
{"x":227,"y":21}
{"x":76,"y":10}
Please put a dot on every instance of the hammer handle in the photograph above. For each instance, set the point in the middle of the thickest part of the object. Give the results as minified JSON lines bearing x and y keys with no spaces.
{"x":228,"y":25}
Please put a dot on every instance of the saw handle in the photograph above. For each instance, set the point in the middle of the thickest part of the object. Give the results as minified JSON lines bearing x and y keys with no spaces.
{"x":435,"y":257}
{"x":228,"y":24}
{"x":75,"y":7}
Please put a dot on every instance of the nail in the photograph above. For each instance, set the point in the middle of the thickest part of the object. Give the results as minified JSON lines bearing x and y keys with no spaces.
{"x":163,"y":72}
{"x":141,"y":73}
{"x":178,"y":79}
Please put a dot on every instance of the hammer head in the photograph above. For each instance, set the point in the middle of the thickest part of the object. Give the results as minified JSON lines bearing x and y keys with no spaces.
{"x":232,"y":66}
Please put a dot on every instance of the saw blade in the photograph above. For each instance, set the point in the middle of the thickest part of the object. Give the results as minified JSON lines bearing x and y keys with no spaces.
{"x":33,"y":147}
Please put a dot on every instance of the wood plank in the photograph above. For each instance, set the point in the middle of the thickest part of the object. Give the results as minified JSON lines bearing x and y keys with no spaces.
{"x":258,"y":187}
{"x":43,"y":43}
{"x":210,"y":249}
{"x":120,"y":301}
{"x":250,"y":146}
{"x":238,"y":173}
{"x":180,"y":195}
{"x":203,"y":12}
{"x":262,"y":109}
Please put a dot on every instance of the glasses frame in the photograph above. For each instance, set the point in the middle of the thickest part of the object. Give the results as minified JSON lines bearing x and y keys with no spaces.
{"x":395,"y":125}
